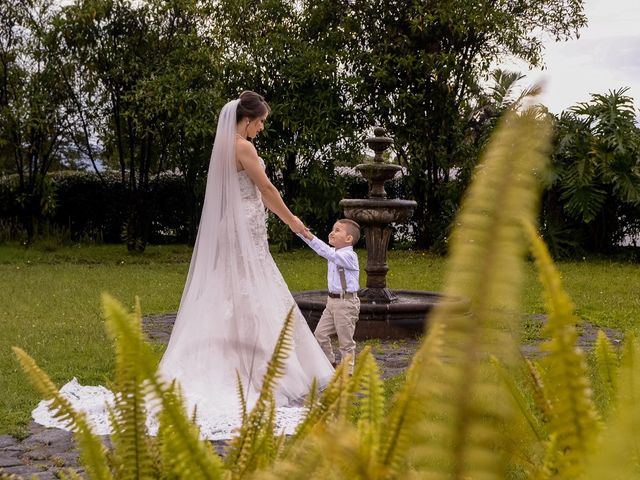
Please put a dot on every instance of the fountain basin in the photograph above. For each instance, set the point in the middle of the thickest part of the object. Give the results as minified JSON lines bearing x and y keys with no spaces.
{"x":405,"y":317}
{"x":368,"y":211}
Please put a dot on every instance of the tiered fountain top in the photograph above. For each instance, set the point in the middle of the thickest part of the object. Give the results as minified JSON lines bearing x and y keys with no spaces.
{"x":378,"y":172}
{"x":375,"y":214}
{"x":377,"y":209}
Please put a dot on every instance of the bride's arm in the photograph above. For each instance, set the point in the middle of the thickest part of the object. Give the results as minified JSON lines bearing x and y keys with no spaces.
{"x":248,"y":157}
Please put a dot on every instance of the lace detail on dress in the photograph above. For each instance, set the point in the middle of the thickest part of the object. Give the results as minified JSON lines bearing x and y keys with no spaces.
{"x":96,"y":401}
{"x":256,"y":212}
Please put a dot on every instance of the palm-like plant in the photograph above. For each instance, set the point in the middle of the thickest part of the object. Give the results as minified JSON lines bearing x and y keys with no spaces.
{"x":597,"y":165}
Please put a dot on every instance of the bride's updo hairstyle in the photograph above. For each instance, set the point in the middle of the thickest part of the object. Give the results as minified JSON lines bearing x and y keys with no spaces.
{"x":251,"y":105}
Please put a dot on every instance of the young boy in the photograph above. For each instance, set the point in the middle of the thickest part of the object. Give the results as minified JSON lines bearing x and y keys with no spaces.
{"x":343,"y":305}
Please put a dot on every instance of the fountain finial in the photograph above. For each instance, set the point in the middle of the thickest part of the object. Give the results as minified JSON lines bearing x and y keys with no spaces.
{"x":378,"y":171}
{"x":378,"y":143}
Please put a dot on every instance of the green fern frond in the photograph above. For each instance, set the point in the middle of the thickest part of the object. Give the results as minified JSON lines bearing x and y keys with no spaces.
{"x":548,"y":470}
{"x":618,"y":455}
{"x":574,"y":418}
{"x":312,"y":398}
{"x":330,"y":451}
{"x":193,"y":457}
{"x":69,"y":474}
{"x":520,"y":400}
{"x":92,"y":451}
{"x":321,"y":410}
{"x":130,"y":439}
{"x":253,"y":447}
{"x":406,"y":408}
{"x":182,"y":453}
{"x":371,"y":406}
{"x":606,"y":369}
{"x":241,"y":397}
{"x":538,"y":390}
{"x":336,"y":401}
{"x":468,"y":407}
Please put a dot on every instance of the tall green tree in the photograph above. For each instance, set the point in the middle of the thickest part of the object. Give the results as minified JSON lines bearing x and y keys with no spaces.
{"x":34,"y":120}
{"x":416,"y":69}
{"x":143,"y":73}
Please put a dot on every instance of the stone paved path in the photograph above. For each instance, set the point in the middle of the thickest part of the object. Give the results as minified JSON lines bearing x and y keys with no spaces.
{"x":46,"y":451}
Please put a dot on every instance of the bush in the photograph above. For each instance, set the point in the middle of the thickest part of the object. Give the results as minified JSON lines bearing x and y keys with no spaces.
{"x":94,"y":210}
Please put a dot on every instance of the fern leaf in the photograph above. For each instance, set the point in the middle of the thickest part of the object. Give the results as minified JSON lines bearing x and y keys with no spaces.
{"x":241,"y":397}
{"x":191,"y":457}
{"x":321,"y":410}
{"x":69,"y":474}
{"x":520,"y":400}
{"x":618,"y":454}
{"x":336,"y":401}
{"x":371,"y":407}
{"x":92,"y":451}
{"x":468,"y":406}
{"x":331,"y":451}
{"x":574,"y":419}
{"x":316,"y":457}
{"x":312,"y":398}
{"x":131,"y":447}
{"x":606,"y":369}
{"x":538,"y":390}
{"x":253,"y":446}
{"x":548,"y":470}
{"x":405,"y":411}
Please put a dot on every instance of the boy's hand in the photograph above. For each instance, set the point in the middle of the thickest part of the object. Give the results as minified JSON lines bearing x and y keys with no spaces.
{"x":297,"y":226}
{"x":306,"y":233}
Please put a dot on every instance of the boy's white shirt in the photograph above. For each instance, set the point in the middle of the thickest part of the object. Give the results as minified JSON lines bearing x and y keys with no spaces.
{"x":344,"y":257}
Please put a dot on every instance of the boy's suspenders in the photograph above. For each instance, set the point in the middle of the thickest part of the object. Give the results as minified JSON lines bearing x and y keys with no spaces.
{"x":343,"y":280}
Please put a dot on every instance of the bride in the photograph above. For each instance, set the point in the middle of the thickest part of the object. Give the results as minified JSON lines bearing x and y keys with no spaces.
{"x":235,"y":300}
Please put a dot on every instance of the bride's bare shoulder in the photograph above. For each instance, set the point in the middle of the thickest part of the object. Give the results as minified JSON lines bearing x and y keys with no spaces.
{"x":246,"y":152}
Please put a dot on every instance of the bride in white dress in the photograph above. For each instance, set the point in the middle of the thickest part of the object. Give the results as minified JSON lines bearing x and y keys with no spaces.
{"x":235,"y":300}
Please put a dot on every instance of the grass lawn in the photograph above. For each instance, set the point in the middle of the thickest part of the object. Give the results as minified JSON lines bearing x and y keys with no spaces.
{"x":50,"y":302}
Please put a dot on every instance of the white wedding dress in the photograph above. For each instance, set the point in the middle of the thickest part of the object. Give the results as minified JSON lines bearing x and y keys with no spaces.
{"x":231,"y":313}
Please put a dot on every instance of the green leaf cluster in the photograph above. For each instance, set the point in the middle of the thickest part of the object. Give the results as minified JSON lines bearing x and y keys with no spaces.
{"x":594,"y":189}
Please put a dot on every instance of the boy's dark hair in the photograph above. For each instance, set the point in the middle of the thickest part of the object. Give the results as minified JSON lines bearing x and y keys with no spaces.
{"x":353,"y":229}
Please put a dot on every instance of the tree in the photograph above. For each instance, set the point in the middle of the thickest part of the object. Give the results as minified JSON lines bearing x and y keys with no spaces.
{"x":596,"y":184}
{"x":35,"y":123}
{"x":416,"y":67}
{"x":143,"y":73}
{"x":290,"y":53}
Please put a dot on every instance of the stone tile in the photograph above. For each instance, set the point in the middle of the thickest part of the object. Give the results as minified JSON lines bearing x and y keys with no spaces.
{"x":24,"y":470}
{"x":50,"y":436}
{"x":7,"y":441}
{"x":9,"y":461}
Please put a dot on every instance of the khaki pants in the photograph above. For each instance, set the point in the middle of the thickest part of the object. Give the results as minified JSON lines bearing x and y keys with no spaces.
{"x":339,"y":317}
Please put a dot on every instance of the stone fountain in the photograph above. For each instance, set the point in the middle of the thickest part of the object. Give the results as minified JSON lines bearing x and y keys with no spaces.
{"x":384,"y":313}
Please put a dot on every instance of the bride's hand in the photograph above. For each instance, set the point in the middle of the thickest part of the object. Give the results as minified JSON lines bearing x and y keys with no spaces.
{"x":297,"y":226}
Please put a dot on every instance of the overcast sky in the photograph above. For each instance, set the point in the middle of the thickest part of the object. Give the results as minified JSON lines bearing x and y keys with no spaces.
{"x":605,"y":57}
